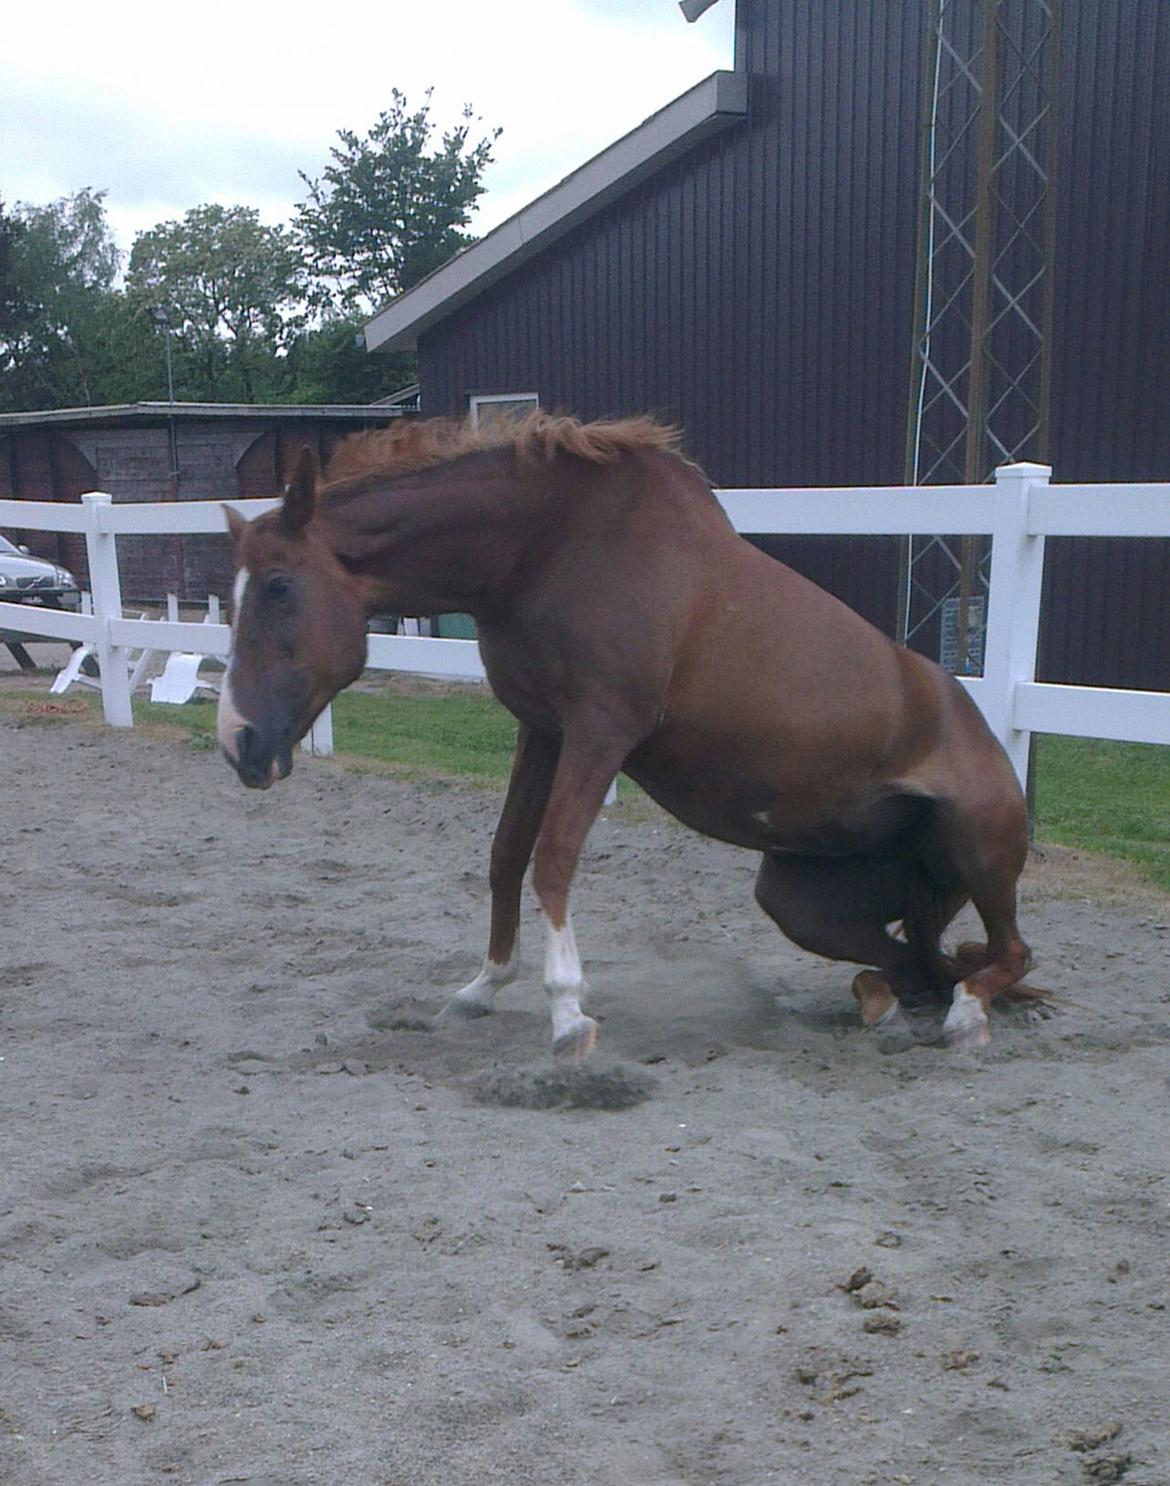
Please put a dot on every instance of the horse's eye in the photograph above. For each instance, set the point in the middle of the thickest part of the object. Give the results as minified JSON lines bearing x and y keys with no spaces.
{"x":277,"y":586}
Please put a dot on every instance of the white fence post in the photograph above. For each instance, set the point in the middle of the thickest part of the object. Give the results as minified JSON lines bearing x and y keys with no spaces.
{"x":1013,"y":621}
{"x":101,"y":550}
{"x":319,"y":739}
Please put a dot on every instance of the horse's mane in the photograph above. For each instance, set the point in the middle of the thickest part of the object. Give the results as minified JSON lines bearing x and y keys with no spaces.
{"x":421,"y":443}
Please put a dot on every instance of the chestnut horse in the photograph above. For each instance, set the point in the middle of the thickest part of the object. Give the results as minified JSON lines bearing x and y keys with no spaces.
{"x":628,"y":628}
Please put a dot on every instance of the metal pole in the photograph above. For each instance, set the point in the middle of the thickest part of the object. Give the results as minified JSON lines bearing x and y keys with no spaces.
{"x":177,"y":541}
{"x":974,"y":464}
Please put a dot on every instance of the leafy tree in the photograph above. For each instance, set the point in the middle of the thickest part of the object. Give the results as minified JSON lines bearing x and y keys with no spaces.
{"x":329,"y":363}
{"x":234,"y":290}
{"x":391,"y":207}
{"x":11,"y":305}
{"x":257,"y":313}
{"x":61,"y":266}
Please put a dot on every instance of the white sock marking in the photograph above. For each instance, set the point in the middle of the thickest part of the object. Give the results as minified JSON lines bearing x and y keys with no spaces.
{"x":481,"y":991}
{"x":563,"y":980}
{"x":966,"y":1011}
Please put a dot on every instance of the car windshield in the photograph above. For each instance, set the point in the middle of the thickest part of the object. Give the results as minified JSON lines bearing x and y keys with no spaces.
{"x":6,"y":546}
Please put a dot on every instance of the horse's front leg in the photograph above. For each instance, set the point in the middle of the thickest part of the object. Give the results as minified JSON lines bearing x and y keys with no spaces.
{"x":528,"y":791}
{"x":590,"y":757}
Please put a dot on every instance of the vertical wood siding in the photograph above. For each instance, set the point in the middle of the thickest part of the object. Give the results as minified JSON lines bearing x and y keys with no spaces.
{"x":759,"y":292}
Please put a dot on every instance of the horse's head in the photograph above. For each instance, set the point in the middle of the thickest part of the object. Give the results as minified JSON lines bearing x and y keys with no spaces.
{"x":298,"y":633}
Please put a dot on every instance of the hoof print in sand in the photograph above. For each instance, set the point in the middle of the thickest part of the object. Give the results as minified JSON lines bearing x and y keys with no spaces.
{"x":406,"y":1015}
{"x":569,"y":1087}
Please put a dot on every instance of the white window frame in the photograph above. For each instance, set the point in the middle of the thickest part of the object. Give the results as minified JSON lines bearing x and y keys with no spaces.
{"x":493,"y":398}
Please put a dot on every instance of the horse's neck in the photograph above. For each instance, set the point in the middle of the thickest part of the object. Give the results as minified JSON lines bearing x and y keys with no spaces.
{"x":430,"y":542}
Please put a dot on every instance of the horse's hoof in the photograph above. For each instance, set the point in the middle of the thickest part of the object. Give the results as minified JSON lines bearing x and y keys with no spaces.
{"x":966,"y":1024}
{"x":965,"y":1033}
{"x":964,"y":1039}
{"x":457,"y":1011}
{"x":893,"y":1022}
{"x":578,"y":1042}
{"x":880,"y":1009}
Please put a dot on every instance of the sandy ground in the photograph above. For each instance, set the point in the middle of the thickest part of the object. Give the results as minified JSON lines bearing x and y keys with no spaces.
{"x":260,"y":1223}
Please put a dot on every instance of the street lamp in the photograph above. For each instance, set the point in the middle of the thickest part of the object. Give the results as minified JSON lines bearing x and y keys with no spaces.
{"x":161,"y":316}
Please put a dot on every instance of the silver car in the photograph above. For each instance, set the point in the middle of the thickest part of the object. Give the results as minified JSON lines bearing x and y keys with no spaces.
{"x":32,"y":582}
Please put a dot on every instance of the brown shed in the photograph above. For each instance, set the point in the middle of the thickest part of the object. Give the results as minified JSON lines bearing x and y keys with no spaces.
{"x":159,"y":451}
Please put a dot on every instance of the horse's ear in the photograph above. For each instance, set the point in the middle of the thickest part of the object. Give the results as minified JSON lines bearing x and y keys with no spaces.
{"x":236,"y":523}
{"x":300,"y":494}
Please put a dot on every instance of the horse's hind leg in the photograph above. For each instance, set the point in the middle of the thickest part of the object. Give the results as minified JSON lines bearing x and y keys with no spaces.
{"x":528,"y":789}
{"x":1008,"y":960}
{"x":840,"y":908}
{"x":986,"y":845}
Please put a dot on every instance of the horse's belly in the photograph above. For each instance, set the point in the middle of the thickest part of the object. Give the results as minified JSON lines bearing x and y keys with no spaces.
{"x":763,"y":812}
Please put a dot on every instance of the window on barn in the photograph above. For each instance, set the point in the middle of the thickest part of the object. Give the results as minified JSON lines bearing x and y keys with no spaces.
{"x":489,"y":407}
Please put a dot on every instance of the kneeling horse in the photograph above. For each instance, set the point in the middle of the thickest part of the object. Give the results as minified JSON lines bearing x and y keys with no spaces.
{"x":628,"y":628}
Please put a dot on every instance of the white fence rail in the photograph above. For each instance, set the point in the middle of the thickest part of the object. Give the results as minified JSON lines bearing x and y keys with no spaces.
{"x":1018,"y":511}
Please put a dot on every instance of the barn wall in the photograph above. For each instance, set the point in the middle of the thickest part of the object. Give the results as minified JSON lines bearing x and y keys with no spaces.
{"x":45,"y":466}
{"x":754,"y":290}
{"x":759,"y":292}
{"x":218,"y":459}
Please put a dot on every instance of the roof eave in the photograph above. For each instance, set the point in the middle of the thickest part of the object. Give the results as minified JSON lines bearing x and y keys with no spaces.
{"x":160,"y":412}
{"x":712,"y":105}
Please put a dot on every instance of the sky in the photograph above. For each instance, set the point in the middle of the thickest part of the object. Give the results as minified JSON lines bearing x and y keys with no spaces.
{"x":167,"y":107}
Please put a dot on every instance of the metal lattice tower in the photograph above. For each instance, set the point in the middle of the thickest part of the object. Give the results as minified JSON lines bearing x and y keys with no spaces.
{"x":980,"y":381}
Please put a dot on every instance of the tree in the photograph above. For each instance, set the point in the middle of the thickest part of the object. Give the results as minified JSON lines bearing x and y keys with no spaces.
{"x":328,"y":362}
{"x":234,"y":289}
{"x":58,"y":290}
{"x":391,"y":207}
{"x":11,"y":305}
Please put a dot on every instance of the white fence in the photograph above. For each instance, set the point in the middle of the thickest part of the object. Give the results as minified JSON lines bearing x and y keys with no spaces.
{"x":1019,"y":511}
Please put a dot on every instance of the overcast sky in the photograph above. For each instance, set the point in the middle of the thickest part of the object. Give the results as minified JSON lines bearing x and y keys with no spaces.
{"x":166,"y":107}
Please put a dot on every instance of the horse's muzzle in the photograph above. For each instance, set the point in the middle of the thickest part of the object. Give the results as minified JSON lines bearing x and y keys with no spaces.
{"x":257,"y":764}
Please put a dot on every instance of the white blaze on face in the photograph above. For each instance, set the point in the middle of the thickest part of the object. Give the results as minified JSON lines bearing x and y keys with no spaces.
{"x":238,"y":593}
{"x":229,"y":719}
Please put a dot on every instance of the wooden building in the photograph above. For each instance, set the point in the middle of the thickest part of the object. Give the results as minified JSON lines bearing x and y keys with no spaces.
{"x":161,"y":451}
{"x":743,"y":264}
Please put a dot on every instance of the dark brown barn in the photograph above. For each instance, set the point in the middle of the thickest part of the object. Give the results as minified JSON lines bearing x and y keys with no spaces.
{"x":743,"y":264}
{"x":160,"y":451}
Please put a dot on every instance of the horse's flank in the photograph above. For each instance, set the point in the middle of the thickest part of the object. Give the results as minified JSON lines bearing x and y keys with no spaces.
{"x":538,"y":439}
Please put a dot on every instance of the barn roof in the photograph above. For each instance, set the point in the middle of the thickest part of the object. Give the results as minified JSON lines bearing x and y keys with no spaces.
{"x":145,"y":413}
{"x":712,"y":105}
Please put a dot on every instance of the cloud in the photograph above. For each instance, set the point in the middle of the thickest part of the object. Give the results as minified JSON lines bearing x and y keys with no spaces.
{"x":165,"y":112}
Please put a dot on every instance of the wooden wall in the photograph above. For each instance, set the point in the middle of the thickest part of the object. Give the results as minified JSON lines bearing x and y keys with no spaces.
{"x":218,"y":459}
{"x":759,"y":292}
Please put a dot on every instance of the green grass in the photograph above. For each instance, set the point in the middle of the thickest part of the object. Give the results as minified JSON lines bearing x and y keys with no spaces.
{"x":1106,"y":797}
{"x":1112,"y":798}
{"x":465,"y":733}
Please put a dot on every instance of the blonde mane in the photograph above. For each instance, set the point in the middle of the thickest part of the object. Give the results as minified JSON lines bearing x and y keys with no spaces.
{"x":421,"y":443}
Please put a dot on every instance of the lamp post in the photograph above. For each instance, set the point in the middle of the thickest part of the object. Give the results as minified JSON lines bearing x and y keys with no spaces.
{"x":161,"y":316}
